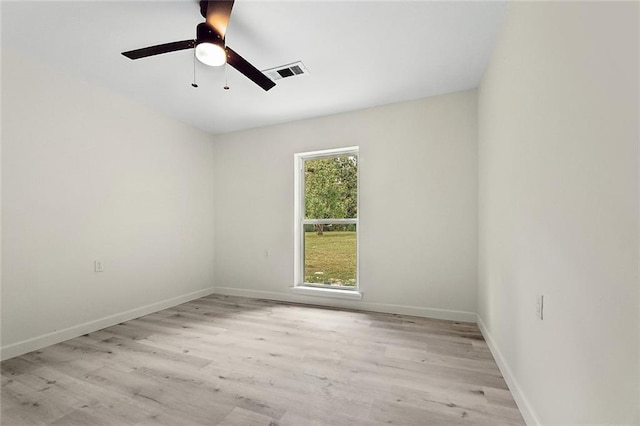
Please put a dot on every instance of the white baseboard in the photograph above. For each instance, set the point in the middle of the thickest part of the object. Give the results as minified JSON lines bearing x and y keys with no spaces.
{"x":351,"y":304}
{"x":521,"y":400}
{"x":39,"y":342}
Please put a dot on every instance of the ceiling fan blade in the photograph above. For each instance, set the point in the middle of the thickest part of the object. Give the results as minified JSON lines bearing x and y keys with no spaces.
{"x":217,"y":14}
{"x":251,"y":72}
{"x":159,"y":49}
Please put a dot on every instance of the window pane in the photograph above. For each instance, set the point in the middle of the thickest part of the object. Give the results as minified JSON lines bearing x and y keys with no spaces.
{"x":331,"y":188}
{"x":330,"y":254}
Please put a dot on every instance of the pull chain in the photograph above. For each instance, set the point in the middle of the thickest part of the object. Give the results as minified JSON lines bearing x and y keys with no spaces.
{"x":226,"y":84}
{"x":194,"y":70}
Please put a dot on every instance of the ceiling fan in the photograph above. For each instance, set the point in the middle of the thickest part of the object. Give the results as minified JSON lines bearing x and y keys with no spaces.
{"x":210,"y":44}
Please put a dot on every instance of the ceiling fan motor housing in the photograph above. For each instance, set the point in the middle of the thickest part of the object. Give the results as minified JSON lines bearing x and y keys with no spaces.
{"x":204,"y":33}
{"x":203,"y":8}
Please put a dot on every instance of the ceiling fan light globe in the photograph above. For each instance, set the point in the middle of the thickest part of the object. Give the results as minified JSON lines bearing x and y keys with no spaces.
{"x":211,"y":54}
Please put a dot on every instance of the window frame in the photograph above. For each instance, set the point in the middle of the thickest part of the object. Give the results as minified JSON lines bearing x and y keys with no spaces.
{"x":300,"y":221}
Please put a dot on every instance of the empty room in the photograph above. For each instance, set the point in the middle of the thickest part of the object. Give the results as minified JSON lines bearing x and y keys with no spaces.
{"x":320,"y":213}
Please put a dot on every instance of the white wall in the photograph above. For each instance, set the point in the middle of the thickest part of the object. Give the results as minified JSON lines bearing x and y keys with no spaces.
{"x":418,"y":205}
{"x":558,"y":209}
{"x":89,"y":175}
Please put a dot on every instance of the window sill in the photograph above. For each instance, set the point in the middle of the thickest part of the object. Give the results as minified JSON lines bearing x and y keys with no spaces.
{"x":327,"y":292}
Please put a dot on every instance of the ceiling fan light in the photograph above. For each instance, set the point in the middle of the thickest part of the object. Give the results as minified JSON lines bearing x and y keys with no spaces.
{"x":211,"y":54}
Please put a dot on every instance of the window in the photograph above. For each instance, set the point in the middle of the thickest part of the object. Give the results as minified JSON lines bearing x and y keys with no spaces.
{"x":326,"y":219}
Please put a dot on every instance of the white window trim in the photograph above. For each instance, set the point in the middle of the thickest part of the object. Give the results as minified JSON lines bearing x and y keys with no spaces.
{"x":299,"y":286}
{"x":333,"y":293}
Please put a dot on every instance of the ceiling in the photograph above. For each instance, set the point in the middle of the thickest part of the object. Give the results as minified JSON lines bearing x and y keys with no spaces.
{"x":359,"y":54}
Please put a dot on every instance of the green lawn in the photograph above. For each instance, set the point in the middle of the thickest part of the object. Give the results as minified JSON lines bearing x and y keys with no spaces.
{"x":330,"y":258}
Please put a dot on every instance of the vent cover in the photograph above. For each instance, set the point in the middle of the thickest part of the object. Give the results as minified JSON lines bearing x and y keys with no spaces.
{"x":284,"y":71}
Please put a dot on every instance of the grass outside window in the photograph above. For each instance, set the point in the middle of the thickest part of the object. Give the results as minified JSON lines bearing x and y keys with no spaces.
{"x":330,"y":258}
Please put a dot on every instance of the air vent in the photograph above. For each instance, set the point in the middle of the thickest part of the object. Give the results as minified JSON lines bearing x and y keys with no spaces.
{"x":284,"y":71}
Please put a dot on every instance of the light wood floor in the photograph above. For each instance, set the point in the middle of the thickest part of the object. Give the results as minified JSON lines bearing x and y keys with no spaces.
{"x":235,"y":361}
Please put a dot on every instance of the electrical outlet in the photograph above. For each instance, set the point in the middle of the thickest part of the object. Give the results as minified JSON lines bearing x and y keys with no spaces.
{"x":540,"y":307}
{"x":99,"y":266}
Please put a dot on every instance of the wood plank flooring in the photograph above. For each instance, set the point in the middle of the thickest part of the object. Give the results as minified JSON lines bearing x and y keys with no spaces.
{"x":235,"y":361}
